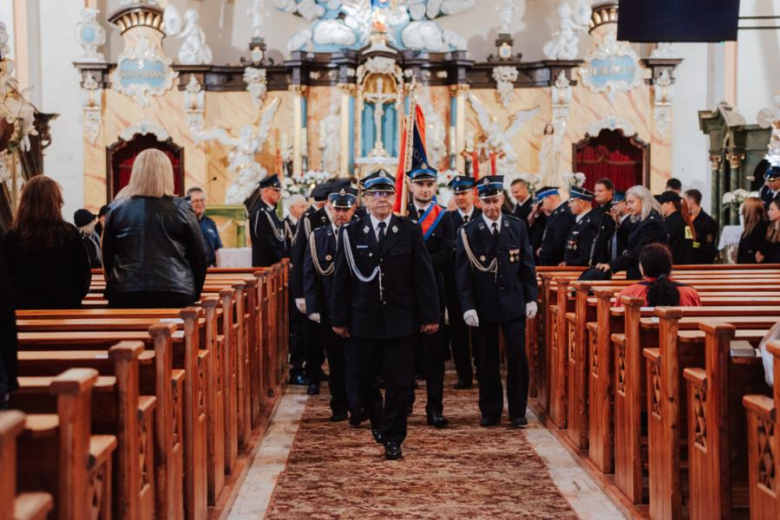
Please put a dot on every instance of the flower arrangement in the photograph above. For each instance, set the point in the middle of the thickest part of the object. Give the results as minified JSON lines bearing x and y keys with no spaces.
{"x":445,"y":177}
{"x":574,"y":179}
{"x":735,"y":198}
{"x":301,"y":184}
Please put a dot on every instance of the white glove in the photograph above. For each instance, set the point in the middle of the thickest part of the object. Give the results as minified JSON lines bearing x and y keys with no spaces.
{"x":471,"y":318}
{"x":530,"y":310}
{"x":315,"y":317}
{"x":300,"y":303}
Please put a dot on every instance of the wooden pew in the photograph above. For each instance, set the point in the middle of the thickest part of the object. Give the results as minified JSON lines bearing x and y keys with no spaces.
{"x":22,"y":506}
{"x":717,"y":438}
{"x":62,"y":457}
{"x":156,"y":377}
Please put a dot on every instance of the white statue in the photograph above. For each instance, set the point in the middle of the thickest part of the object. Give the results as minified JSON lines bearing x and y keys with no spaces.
{"x":505,"y":84}
{"x":194,"y":50}
{"x":90,"y":35}
{"x":566,"y":40}
{"x":330,"y":136}
{"x":499,"y":139}
{"x":4,"y":48}
{"x":249,"y":142}
{"x":256,"y":85}
{"x":550,"y":156}
{"x":506,"y":10}
{"x":255,"y":13}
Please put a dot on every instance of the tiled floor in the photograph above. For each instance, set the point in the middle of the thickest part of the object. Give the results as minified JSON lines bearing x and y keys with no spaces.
{"x":582,"y":493}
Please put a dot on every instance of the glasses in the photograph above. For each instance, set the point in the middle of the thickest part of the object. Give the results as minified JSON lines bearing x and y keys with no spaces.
{"x":380,"y":194}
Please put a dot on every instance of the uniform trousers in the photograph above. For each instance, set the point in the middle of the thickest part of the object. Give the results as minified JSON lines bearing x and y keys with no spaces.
{"x":491,"y":393}
{"x":336,"y":350}
{"x":460,"y":339}
{"x":297,"y":341}
{"x":351,"y":376}
{"x":315,"y":355}
{"x":431,"y":348}
{"x":393,"y":358}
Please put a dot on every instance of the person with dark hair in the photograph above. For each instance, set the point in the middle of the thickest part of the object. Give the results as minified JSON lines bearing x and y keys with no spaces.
{"x":48,"y":262}
{"x":603,"y":194}
{"x":679,"y":227}
{"x":657,"y":286}
{"x":773,"y":233}
{"x":86,"y":221}
{"x":674,"y":185}
{"x":556,"y":231}
{"x":704,"y":248}
{"x":101,"y":220}
{"x":8,"y":340}
{"x":153,"y":251}
{"x":752,"y":244}
{"x":537,"y":223}
{"x":580,"y":240}
{"x":523,"y":198}
{"x":771,"y":188}
{"x":265,"y":229}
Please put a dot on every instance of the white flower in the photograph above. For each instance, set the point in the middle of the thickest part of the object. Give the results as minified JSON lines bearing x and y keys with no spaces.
{"x":728,"y":198}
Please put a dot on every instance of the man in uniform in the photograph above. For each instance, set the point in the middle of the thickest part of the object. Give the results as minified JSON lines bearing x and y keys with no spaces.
{"x":384,"y":295}
{"x":583,"y":233}
{"x":523,"y":198}
{"x":624,"y":224}
{"x":556,"y":231}
{"x":460,"y":334}
{"x":439,"y":237}
{"x":265,"y":228}
{"x":296,"y":207}
{"x":603,"y":193}
{"x":318,"y":290}
{"x":771,"y":188}
{"x":497,"y":284}
{"x":705,"y":248}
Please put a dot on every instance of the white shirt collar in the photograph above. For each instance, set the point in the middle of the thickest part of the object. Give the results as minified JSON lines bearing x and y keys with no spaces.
{"x":293,"y":220}
{"x":424,"y":208}
{"x":375,"y":224}
{"x":490,"y":222}
{"x":581,"y":215}
{"x":464,"y":214}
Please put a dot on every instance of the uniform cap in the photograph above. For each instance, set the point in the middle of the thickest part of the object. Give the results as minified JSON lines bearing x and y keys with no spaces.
{"x":490,"y":186}
{"x":422,"y":174}
{"x":380,"y":180}
{"x":546,"y":192}
{"x":773,"y":172}
{"x":344,"y":198}
{"x":580,"y":193}
{"x":271,"y":181}
{"x":461,"y":183}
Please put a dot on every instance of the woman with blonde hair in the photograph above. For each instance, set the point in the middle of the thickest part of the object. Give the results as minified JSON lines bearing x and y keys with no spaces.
{"x":648,"y":228}
{"x":152,"y":244}
{"x":752,"y":244}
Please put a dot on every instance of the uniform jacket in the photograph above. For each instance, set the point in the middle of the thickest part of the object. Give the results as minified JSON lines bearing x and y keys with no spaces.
{"x":457,"y":220}
{"x":408,"y":298}
{"x":706,"y":238}
{"x":680,"y":239}
{"x":523,"y":210}
{"x":622,"y":233}
{"x":601,"y":249}
{"x":499,"y":297}
{"x":647,"y":231}
{"x":317,"y":289}
{"x":754,"y":243}
{"x":766,"y":195}
{"x":153,"y":244}
{"x":556,"y":231}
{"x":267,"y":233}
{"x":311,"y":219}
{"x":580,"y":240}
{"x":451,"y":288}
{"x":441,"y":247}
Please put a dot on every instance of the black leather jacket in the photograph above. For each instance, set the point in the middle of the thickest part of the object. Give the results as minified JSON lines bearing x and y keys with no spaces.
{"x":153,"y":244}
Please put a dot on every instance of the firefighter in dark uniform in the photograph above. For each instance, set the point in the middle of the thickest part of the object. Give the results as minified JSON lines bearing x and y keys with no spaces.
{"x":460,"y":333}
{"x":580,"y":240}
{"x":439,"y":237}
{"x":603,"y":195}
{"x":706,"y":247}
{"x":497,"y":284}
{"x":384,"y":295}
{"x":771,"y":188}
{"x":265,"y":228}
{"x":319,"y":265}
{"x":556,"y":231}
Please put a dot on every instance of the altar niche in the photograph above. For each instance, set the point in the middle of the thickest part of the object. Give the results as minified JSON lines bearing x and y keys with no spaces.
{"x":623,"y":160}
{"x":121,"y":155}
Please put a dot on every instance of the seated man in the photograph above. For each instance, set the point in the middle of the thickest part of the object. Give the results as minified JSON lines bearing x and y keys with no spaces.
{"x":657,"y":286}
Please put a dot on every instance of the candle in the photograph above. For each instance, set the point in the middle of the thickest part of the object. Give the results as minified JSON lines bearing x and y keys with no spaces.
{"x":453,"y":141}
{"x":469,"y":140}
{"x":285,"y":141}
{"x":304,"y":143}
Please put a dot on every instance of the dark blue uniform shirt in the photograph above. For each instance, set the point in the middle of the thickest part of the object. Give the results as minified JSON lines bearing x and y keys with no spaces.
{"x":211,"y":239}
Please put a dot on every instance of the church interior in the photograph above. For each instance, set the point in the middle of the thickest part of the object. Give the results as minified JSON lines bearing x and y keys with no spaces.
{"x":635,"y":410}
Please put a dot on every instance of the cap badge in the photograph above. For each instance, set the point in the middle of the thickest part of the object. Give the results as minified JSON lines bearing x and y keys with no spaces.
{"x":486,"y":181}
{"x":343,"y":193}
{"x":395,"y":229}
{"x":366,"y":229}
{"x":382,"y":174}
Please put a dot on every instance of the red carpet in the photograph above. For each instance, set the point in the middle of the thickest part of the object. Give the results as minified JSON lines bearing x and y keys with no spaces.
{"x":463,"y":471}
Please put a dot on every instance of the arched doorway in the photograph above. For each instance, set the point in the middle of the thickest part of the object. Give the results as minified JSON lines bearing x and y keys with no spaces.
{"x":623,"y":160}
{"x":121,"y":155}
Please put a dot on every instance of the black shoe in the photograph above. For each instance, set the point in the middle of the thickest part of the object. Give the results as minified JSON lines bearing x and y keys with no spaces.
{"x":357,"y":416}
{"x":462,"y":384}
{"x":489,"y":421}
{"x":338,"y":417}
{"x":314,"y":389}
{"x":437,"y":420}
{"x":520,"y":422}
{"x":393,"y":451}
{"x":377,"y":435}
{"x":324,"y":377}
{"x":298,"y":380}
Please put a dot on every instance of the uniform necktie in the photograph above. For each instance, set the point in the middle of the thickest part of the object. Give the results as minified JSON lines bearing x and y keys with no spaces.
{"x":421,"y":212}
{"x":465,"y":219}
{"x":495,"y":230}
{"x":381,"y":227}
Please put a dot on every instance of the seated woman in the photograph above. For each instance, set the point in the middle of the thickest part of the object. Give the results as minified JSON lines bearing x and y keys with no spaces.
{"x":772,"y":234}
{"x":153,"y":252}
{"x":648,"y":228}
{"x":46,"y":258}
{"x":657,"y":287}
{"x":752,"y":244}
{"x":679,"y":227}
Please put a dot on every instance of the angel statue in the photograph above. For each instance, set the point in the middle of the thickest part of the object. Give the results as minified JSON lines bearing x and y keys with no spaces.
{"x":499,"y":139}
{"x":194,"y":50}
{"x":244,"y":148}
{"x":566,"y":40}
